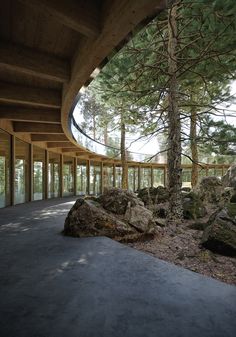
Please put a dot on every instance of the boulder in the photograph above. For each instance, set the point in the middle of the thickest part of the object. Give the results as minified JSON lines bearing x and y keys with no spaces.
{"x":229,"y":179}
{"x":116,"y":214}
{"x":139,"y":217}
{"x":116,"y":200}
{"x":88,"y":218}
{"x":153,"y":195}
{"x":210,"y":190}
{"x":193,"y":207}
{"x":220,"y":234}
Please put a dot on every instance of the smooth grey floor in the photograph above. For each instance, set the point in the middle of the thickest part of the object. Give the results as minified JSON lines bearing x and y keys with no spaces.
{"x":56,"y":286}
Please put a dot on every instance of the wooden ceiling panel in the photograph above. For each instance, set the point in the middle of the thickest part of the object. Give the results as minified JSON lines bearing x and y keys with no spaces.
{"x":10,"y":75}
{"x":5,"y":19}
{"x":19,"y":94}
{"x":28,"y":26}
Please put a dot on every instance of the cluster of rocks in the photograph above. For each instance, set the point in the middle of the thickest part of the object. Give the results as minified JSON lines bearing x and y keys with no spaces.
{"x":125,"y":216}
{"x":116,"y":214}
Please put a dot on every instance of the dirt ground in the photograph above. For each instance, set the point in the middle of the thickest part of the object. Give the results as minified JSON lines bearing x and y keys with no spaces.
{"x":181,"y":246}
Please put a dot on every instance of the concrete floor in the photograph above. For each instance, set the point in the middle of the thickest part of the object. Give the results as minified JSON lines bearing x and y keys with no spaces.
{"x":55,"y":286}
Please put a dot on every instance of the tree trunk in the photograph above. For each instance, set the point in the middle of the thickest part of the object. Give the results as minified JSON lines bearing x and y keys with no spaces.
{"x":175,"y":213}
{"x":123,"y":156}
{"x":105,"y":135}
{"x":94,"y":126}
{"x":194,"y":149}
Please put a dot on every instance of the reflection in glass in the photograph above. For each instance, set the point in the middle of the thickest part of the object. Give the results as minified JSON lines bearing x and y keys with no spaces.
{"x":158,"y":177}
{"x":53,"y":175}
{"x":21,"y":182}
{"x":186,"y":177}
{"x":68,"y":176}
{"x":145,"y":177}
{"x":107,"y":175}
{"x":133,"y":178}
{"x":38,"y":167}
{"x":81,"y":176}
{"x":5,"y":153}
{"x":118,"y":181}
{"x":95,"y":178}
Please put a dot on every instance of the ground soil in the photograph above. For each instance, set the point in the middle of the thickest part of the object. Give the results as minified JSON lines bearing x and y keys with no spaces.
{"x":182,"y":246}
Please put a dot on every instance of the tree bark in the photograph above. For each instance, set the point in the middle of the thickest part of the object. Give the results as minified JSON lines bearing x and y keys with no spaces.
{"x":174,"y":170}
{"x":194,"y":149}
{"x":123,"y":156}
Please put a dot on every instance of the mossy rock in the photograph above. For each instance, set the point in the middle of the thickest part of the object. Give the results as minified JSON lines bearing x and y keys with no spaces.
{"x":198,"y":226}
{"x":233,"y":198}
{"x":193,"y":206}
{"x":220,"y":235}
{"x":231,"y":208}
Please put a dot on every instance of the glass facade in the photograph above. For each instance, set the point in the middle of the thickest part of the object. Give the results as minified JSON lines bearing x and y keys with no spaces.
{"x":15,"y":188}
{"x":145,"y":177}
{"x":118,"y":176}
{"x":95,"y":178}
{"x":68,"y":176}
{"x":107,"y":175}
{"x":186,"y":178}
{"x":21,"y":178}
{"x":5,"y":155}
{"x":158,"y":177}
{"x":53,"y":175}
{"x":39,"y":172}
{"x":133,"y":178}
{"x":81,"y":176}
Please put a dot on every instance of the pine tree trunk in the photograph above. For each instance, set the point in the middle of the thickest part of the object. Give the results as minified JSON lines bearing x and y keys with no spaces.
{"x":194,"y":149}
{"x":105,"y":135}
{"x":174,"y":170}
{"x":123,"y":156}
{"x":94,"y":126}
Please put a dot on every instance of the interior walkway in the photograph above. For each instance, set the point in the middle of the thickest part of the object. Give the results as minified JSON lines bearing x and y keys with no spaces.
{"x":56,"y":286}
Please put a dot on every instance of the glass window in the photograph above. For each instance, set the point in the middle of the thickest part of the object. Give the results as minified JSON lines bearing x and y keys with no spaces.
{"x":53,"y":175}
{"x":145,"y":177}
{"x":5,"y":155}
{"x":81,"y":176}
{"x":158,"y":177}
{"x":21,"y":182}
{"x":133,"y":178}
{"x":118,"y":180}
{"x":95,"y":178}
{"x":201,"y":173}
{"x":186,"y":177}
{"x":68,"y":176}
{"x":107,"y":175}
{"x":39,"y":168}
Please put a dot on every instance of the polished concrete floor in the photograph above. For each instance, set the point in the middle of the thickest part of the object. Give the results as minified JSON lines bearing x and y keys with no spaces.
{"x":56,"y":286}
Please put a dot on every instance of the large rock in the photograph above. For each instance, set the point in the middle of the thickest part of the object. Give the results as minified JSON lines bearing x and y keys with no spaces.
{"x":210,"y":190}
{"x":229,"y":179}
{"x":153,"y":195}
{"x":116,"y":200}
{"x":193,"y":207}
{"x":116,"y":214}
{"x":220,"y":234}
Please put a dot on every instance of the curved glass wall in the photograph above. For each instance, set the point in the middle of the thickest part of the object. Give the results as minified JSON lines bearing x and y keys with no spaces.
{"x":109,"y":151}
{"x":95,"y":178}
{"x":39,"y":169}
{"x":81,"y":176}
{"x":21,"y":183}
{"x":5,"y":154}
{"x":68,"y":176}
{"x":53,"y":175}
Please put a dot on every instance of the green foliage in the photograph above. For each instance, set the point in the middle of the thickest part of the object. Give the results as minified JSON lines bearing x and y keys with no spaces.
{"x":134,"y":85}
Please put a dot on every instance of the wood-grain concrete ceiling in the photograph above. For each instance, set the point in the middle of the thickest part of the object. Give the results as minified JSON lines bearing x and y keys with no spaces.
{"x":48,"y":51}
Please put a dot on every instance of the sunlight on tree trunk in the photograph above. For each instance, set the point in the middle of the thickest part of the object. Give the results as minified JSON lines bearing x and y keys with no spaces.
{"x":123,"y":156}
{"x":175,"y":213}
{"x":194,"y":149}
